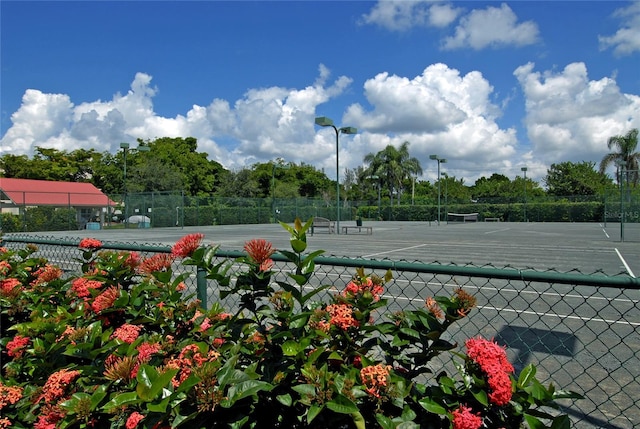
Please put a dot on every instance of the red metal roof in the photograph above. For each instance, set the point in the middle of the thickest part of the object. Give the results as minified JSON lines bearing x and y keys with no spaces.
{"x":49,"y":193}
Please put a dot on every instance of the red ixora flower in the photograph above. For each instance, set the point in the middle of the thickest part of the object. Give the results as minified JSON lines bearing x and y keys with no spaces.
{"x":492,"y":360}
{"x":158,"y":262}
{"x":187,"y":245}
{"x":133,"y":420}
{"x":260,"y":251}
{"x":463,"y":418}
{"x":16,"y":347}
{"x":55,"y":386}
{"x":90,"y":244}
{"x":105,"y":299}
{"x":127,"y":333}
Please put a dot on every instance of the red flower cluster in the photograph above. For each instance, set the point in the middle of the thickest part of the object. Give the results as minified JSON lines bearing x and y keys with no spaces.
{"x":463,"y":418}
{"x":158,"y":262}
{"x":133,"y":420}
{"x":16,"y":347}
{"x":56,"y":383}
{"x":363,"y":286}
{"x":105,"y":300}
{"x":127,"y":333}
{"x":89,"y":244}
{"x":46,"y":274}
{"x":81,"y":286}
{"x":190,"y":357}
{"x":8,"y":286}
{"x":492,"y":359}
{"x":5,"y":267}
{"x":188,"y":244}
{"x":260,"y":251}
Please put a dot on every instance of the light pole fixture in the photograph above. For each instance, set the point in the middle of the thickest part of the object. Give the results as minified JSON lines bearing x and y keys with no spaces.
{"x":524,"y":170}
{"x":439,"y":161}
{"x":323,"y":121}
{"x":125,"y":149}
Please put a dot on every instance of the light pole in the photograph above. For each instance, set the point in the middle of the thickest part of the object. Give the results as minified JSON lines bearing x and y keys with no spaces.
{"x":524,"y":170}
{"x":439,"y":161}
{"x":377,"y":179}
{"x":323,"y":121}
{"x":273,"y":189}
{"x":125,"y":149}
{"x":446,"y":194}
{"x":621,"y":165}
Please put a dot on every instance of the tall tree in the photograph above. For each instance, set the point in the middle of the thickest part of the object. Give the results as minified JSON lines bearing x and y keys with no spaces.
{"x":625,"y":151}
{"x":393,"y":166}
{"x":571,"y":178}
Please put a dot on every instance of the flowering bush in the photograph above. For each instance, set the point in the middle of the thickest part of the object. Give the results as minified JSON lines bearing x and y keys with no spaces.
{"x":122,"y":346}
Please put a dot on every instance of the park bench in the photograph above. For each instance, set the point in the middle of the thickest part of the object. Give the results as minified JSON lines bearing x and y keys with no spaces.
{"x":360,"y":229}
{"x":322,"y":222}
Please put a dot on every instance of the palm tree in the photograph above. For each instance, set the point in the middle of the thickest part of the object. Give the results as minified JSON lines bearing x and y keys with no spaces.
{"x":393,"y":166}
{"x":625,"y":147}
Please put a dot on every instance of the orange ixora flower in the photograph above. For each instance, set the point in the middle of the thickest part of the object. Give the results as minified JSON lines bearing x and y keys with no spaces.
{"x":82,"y":286}
{"x":106,"y":299}
{"x":16,"y":347}
{"x":9,"y":395}
{"x":434,"y":308}
{"x":158,"y":262}
{"x":127,"y":333}
{"x":90,"y":244}
{"x":188,"y":244}
{"x":133,"y":420}
{"x":9,"y":287}
{"x":375,"y":378}
{"x":260,"y":251}
{"x":46,"y":274}
{"x":341,"y":315}
{"x":55,"y":386}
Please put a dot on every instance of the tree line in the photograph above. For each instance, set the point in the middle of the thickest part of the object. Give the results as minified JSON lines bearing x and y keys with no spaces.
{"x":172,"y":164}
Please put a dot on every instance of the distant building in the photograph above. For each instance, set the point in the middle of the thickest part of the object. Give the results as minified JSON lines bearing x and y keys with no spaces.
{"x":90,"y":204}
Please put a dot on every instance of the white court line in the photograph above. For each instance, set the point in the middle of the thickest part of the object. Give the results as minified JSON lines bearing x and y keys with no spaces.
{"x":535,"y":313}
{"x":605,"y":232}
{"x":497,"y":230}
{"x":395,"y":250}
{"x":626,"y":266}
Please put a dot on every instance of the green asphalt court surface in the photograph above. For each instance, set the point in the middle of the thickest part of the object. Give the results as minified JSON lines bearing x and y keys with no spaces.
{"x":577,"y":247}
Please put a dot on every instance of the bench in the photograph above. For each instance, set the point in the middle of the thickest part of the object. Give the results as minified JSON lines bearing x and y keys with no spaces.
{"x":367,"y":229}
{"x":323,"y":222}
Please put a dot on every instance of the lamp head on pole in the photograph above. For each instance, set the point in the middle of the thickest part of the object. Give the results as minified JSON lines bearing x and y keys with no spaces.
{"x":349,"y":130}
{"x":323,"y":121}
{"x":523,"y":169}
{"x":124,"y":145}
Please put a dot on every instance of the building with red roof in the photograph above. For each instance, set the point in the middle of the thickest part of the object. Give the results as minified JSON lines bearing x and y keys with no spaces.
{"x":90,"y":203}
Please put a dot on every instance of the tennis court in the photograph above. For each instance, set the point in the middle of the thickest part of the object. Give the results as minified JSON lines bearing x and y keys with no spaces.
{"x":585,"y":247}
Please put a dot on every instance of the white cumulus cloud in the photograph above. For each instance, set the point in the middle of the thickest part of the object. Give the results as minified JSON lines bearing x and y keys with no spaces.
{"x":492,"y":27}
{"x":570,"y":117}
{"x":626,"y":40}
{"x":405,"y":14}
{"x":438,"y":112}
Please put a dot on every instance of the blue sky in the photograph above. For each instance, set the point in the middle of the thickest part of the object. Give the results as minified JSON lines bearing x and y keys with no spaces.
{"x":490,"y":86}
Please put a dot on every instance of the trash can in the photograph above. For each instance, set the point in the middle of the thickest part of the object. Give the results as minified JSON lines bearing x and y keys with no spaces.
{"x":93,"y":225}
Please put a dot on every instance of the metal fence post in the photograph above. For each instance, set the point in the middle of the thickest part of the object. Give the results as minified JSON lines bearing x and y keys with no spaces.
{"x":201,"y":286}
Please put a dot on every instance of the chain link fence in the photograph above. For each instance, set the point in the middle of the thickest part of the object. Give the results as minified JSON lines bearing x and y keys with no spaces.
{"x":582,"y":331}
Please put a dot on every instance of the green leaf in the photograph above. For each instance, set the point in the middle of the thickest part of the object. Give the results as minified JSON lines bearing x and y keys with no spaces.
{"x":526,"y":375}
{"x":304,"y":389}
{"x":98,"y":395}
{"x":298,"y":246}
{"x":313,"y":412}
{"x":121,"y":400}
{"x":285,"y":400}
{"x":385,"y":422}
{"x":150,"y":383}
{"x":343,"y":405}
{"x":533,"y":422}
{"x":247,"y":388}
{"x":432,"y":406}
{"x":561,"y":422}
{"x":290,"y":348}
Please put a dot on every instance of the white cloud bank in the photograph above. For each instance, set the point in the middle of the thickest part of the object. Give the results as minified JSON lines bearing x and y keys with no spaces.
{"x":626,"y":40}
{"x":440,"y":111}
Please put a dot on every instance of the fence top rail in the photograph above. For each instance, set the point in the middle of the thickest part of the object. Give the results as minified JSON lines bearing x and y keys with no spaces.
{"x":507,"y":273}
